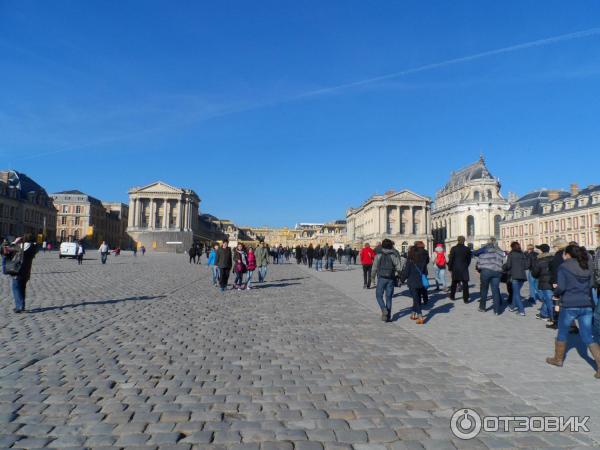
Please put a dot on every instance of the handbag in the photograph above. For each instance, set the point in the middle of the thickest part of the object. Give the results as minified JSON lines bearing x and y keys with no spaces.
{"x":424,"y":279}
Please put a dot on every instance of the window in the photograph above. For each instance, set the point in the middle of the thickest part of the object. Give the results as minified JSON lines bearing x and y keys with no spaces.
{"x":497,"y":220}
{"x":489,"y":194}
{"x":78,"y":210}
{"x":76,"y":220}
{"x":63,"y":220}
{"x":63,"y":235}
{"x":470,"y":226}
{"x":476,"y":196}
{"x":65,"y":209}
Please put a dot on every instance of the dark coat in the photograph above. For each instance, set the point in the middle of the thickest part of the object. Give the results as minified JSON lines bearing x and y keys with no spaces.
{"x":28,"y":255}
{"x":554,"y":265}
{"x":516,"y":265}
{"x":574,"y":284}
{"x":410,"y":274}
{"x":459,"y":261}
{"x":310,"y":252}
{"x":224,"y":258}
{"x":422,"y":259}
{"x":541,"y":271}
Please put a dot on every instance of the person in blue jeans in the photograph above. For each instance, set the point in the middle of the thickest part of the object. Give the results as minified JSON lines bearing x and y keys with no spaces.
{"x":212,"y":264}
{"x":386,"y":268}
{"x":489,"y":262}
{"x":412,"y":273}
{"x":543,"y":275}
{"x":516,"y":265}
{"x":573,"y":288}
{"x":533,"y":285}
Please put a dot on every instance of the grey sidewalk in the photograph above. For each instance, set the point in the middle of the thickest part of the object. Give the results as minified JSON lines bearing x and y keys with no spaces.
{"x":509,"y":349}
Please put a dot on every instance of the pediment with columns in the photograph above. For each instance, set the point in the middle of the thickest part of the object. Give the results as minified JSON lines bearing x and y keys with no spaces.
{"x":158,"y":187}
{"x":407,"y":195}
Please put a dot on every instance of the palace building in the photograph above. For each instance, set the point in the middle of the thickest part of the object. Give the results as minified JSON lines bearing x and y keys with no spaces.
{"x":469,"y":205}
{"x":25,"y":207}
{"x":404,"y":217}
{"x":163,"y":217}
{"x":544,"y":215}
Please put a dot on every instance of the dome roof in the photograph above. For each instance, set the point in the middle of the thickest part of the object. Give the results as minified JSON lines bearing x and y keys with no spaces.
{"x":475,"y":171}
{"x":536,"y":199}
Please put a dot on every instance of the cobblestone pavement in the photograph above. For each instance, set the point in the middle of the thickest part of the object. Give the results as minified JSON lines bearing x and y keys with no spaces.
{"x":509,"y":349}
{"x":144,"y":353}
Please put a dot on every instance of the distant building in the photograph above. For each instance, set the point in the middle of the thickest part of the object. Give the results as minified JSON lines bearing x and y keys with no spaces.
{"x":469,"y":205}
{"x":164,"y":217}
{"x":25,"y":207}
{"x":544,"y":215}
{"x":81,"y":216}
{"x":404,"y":217}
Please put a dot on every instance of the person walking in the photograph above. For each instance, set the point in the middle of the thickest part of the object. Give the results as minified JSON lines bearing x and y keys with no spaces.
{"x":415,"y":276}
{"x":340,"y":253}
{"x":355,"y":253}
{"x":192,"y":254}
{"x":240,"y":263}
{"x":103,"y":250}
{"x":318,"y":258}
{"x":543,"y":277}
{"x":80,"y":251}
{"x":212,"y":264}
{"x":440,"y":261}
{"x":559,"y":245}
{"x":458,"y":265}
{"x":573,"y":288}
{"x":251,"y":267}
{"x":310,"y":255}
{"x":489,"y":264}
{"x":531,"y":255}
{"x":262,"y":261}
{"x":348,"y":256}
{"x":386,"y":266}
{"x":134,"y":249}
{"x":331,"y":255}
{"x":298,"y":254}
{"x":367,"y":256}
{"x":143,"y":250}
{"x":19,"y":261}
{"x":516,"y":265}
{"x":224,"y":263}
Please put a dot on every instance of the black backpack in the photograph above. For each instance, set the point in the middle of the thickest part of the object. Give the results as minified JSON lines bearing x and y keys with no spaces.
{"x":386,"y":268}
{"x":15,"y":264}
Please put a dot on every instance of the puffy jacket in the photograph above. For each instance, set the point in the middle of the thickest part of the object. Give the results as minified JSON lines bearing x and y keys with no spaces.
{"x":224,"y":258}
{"x":541,"y":271}
{"x":367,"y":256}
{"x":212,"y":257}
{"x":573,"y":285}
{"x":490,"y":257}
{"x":331,"y":252}
{"x":251,"y":261}
{"x":516,"y":265}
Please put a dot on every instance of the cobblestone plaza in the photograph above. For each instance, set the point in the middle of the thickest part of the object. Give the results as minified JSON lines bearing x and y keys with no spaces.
{"x":144,"y":353}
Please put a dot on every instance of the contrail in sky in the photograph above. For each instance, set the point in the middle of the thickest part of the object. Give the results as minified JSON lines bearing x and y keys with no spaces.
{"x":326,"y":90}
{"x":462,"y":59}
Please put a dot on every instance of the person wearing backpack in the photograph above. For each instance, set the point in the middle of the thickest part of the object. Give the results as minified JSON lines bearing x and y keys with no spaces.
{"x":440,"y":261}
{"x":414,"y":274}
{"x":19,"y":260}
{"x":386,"y":266}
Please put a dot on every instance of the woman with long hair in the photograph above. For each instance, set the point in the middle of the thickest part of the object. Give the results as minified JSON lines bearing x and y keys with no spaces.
{"x":251,"y":267}
{"x":240,"y":263}
{"x":573,"y":289}
{"x":412,"y":274}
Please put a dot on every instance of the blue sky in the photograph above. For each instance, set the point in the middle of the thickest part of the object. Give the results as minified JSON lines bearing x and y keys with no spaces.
{"x":233,"y":98}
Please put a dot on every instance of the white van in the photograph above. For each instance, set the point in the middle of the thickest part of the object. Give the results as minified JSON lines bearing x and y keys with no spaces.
{"x":68,"y":250}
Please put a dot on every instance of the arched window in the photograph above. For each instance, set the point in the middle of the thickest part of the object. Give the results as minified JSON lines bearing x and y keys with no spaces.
{"x":476,"y":196}
{"x":497,"y":220}
{"x":470,"y":226}
{"x":489,"y":194}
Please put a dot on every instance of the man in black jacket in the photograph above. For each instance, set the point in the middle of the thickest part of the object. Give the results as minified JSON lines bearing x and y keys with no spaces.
{"x":224,"y":263}
{"x":26,"y":247}
{"x":559,"y":245}
{"x":458,"y":265}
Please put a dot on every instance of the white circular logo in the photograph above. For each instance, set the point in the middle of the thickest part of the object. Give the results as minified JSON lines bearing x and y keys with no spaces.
{"x":465,"y":424}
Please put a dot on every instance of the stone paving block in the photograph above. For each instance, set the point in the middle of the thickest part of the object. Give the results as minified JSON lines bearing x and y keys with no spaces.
{"x":197,"y":437}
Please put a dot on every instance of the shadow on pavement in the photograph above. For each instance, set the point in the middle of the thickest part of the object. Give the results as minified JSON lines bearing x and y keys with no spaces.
{"x":269,"y":285}
{"x":99,"y":302}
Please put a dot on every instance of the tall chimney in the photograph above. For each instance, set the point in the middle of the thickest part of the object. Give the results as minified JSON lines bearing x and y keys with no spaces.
{"x":553,"y":195}
{"x":574,"y":189}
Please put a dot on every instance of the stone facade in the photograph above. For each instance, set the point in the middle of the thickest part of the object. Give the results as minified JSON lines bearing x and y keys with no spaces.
{"x":469,"y":205}
{"x":404,"y":217}
{"x":25,"y":207}
{"x":542,"y":216}
{"x":163,"y":217}
{"x":80,"y":216}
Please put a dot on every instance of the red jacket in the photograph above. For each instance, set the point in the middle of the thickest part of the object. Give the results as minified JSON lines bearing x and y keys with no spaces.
{"x":367,"y":256}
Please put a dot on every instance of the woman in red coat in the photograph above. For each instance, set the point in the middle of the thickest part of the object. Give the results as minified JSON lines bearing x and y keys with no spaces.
{"x":367,"y":256}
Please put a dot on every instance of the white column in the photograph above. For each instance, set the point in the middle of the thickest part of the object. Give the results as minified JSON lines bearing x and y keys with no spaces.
{"x":131,"y":213}
{"x":412,"y":220}
{"x":179,"y":214}
{"x":165,"y":223}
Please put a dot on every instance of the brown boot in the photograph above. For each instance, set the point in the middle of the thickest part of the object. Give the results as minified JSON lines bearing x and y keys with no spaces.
{"x":595,"y":351}
{"x":559,"y":354}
